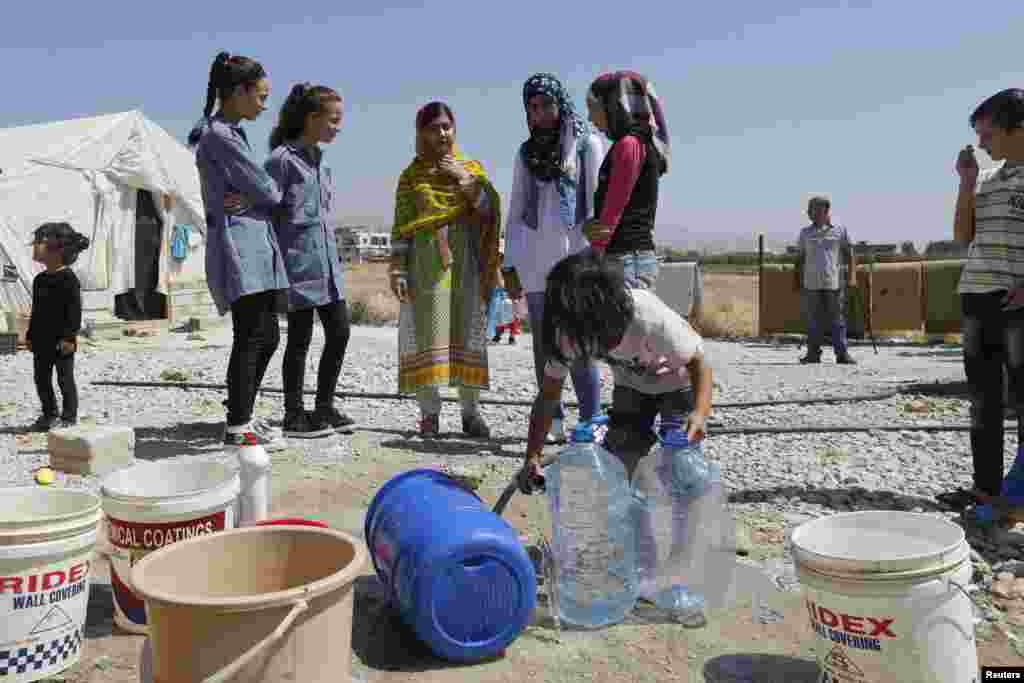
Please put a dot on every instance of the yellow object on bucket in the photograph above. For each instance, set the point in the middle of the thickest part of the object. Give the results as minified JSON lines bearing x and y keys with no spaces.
{"x":45,"y":476}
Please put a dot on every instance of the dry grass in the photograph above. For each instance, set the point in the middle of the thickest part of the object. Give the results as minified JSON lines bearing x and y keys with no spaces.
{"x":729,"y":300}
{"x":730,"y":305}
{"x":370,"y":300}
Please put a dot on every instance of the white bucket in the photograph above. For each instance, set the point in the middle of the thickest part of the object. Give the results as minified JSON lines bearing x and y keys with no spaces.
{"x":884,"y":592}
{"x":46,"y":548}
{"x":149,"y":506}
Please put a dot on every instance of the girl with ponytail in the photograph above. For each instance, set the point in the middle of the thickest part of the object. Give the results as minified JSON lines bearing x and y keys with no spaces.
{"x":311,"y":116}
{"x":244,"y":268}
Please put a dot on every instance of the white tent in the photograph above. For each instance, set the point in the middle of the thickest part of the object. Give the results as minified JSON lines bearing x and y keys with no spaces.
{"x":88,"y":172}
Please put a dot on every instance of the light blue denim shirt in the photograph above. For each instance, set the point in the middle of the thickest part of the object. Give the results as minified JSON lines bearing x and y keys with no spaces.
{"x":242,"y":254}
{"x":308,"y":243}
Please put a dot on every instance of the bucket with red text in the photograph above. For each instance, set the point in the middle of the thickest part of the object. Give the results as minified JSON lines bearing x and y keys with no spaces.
{"x":149,"y":506}
{"x":885,"y":597}
{"x":47,"y":537}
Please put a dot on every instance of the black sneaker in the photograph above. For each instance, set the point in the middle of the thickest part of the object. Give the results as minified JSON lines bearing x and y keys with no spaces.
{"x":45,"y":423}
{"x":66,"y":423}
{"x":511,"y":341}
{"x":496,"y":339}
{"x":337,"y":420}
{"x":303,"y":425}
{"x":810,"y":359}
{"x":846,"y":359}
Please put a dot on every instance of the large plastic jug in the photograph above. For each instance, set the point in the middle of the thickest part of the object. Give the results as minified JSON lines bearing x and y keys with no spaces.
{"x":685,"y":535}
{"x":593,"y":544}
{"x":456,"y":571}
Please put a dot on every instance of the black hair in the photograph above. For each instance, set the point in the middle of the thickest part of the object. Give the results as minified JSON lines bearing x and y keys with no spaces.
{"x":430,"y":111}
{"x":1005,"y":108}
{"x":586,"y":302}
{"x":227,"y":73}
{"x":303,"y":100}
{"x":62,"y":237}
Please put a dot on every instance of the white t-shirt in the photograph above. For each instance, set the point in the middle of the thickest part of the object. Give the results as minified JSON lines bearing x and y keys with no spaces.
{"x":654,"y":352}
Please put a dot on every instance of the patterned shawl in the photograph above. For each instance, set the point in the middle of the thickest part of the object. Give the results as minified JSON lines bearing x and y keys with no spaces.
{"x":552,"y":155}
{"x":632,"y":107}
{"x":428,"y":201}
{"x":549,"y":156}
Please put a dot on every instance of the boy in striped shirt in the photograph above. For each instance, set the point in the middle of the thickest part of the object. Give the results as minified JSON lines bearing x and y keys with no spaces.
{"x":990,"y":216}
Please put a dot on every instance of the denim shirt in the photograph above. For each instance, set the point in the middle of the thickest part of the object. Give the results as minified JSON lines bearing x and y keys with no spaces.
{"x":309,"y":246}
{"x":242,"y":254}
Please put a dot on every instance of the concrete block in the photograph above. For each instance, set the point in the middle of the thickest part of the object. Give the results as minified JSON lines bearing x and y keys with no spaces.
{"x":95,"y":450}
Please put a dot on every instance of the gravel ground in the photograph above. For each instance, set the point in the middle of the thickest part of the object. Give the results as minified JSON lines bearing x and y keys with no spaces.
{"x":782,"y":478}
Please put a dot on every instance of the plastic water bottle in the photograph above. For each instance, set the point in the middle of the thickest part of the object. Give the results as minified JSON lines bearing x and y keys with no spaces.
{"x":594,"y":549}
{"x":254,"y":473}
{"x":667,"y":489}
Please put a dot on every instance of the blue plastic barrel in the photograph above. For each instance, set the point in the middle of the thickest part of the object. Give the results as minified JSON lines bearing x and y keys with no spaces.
{"x":456,"y":571}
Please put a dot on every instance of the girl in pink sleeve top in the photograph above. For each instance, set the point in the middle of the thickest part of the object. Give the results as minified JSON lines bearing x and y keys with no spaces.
{"x":625,"y":106}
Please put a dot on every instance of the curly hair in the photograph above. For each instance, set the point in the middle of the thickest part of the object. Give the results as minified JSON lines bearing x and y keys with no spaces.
{"x":586,"y":305}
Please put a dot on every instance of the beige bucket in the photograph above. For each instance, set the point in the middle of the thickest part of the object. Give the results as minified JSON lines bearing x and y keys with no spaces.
{"x":259,"y":604}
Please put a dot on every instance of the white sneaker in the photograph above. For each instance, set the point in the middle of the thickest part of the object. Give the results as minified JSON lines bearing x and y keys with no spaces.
{"x":557,"y":432}
{"x":271,"y":439}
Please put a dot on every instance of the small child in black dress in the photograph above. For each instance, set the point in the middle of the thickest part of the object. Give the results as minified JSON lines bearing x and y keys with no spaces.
{"x":55,"y":321}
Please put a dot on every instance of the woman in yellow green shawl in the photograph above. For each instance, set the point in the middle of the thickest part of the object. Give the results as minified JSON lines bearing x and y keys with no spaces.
{"x":444,"y":264}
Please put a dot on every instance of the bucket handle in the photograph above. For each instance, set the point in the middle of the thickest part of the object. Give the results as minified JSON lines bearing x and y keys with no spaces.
{"x":963,"y":590}
{"x":234,"y":667}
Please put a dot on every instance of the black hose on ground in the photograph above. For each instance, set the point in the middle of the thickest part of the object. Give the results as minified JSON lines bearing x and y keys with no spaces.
{"x":881,"y":396}
{"x":512,"y":487}
{"x":713,"y":430}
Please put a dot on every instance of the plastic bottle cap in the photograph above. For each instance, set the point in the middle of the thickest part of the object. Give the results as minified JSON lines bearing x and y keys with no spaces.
{"x":583,"y":433}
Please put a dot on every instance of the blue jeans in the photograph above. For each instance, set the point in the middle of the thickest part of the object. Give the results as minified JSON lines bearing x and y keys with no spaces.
{"x":640,"y":268}
{"x":822,"y":308}
{"x":585,"y":379}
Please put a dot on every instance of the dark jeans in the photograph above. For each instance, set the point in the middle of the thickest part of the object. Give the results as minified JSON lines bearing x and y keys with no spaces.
{"x":256,"y":336}
{"x":44,"y":363}
{"x":631,"y":421}
{"x":585,"y":378}
{"x":991,"y":337}
{"x":824,"y":308}
{"x":334,"y":318}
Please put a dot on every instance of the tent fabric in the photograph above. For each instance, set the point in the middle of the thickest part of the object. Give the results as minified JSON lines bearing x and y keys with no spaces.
{"x":87,"y":172}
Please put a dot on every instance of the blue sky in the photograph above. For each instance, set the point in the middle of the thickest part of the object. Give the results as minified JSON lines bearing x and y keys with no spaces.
{"x":766,"y":102}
